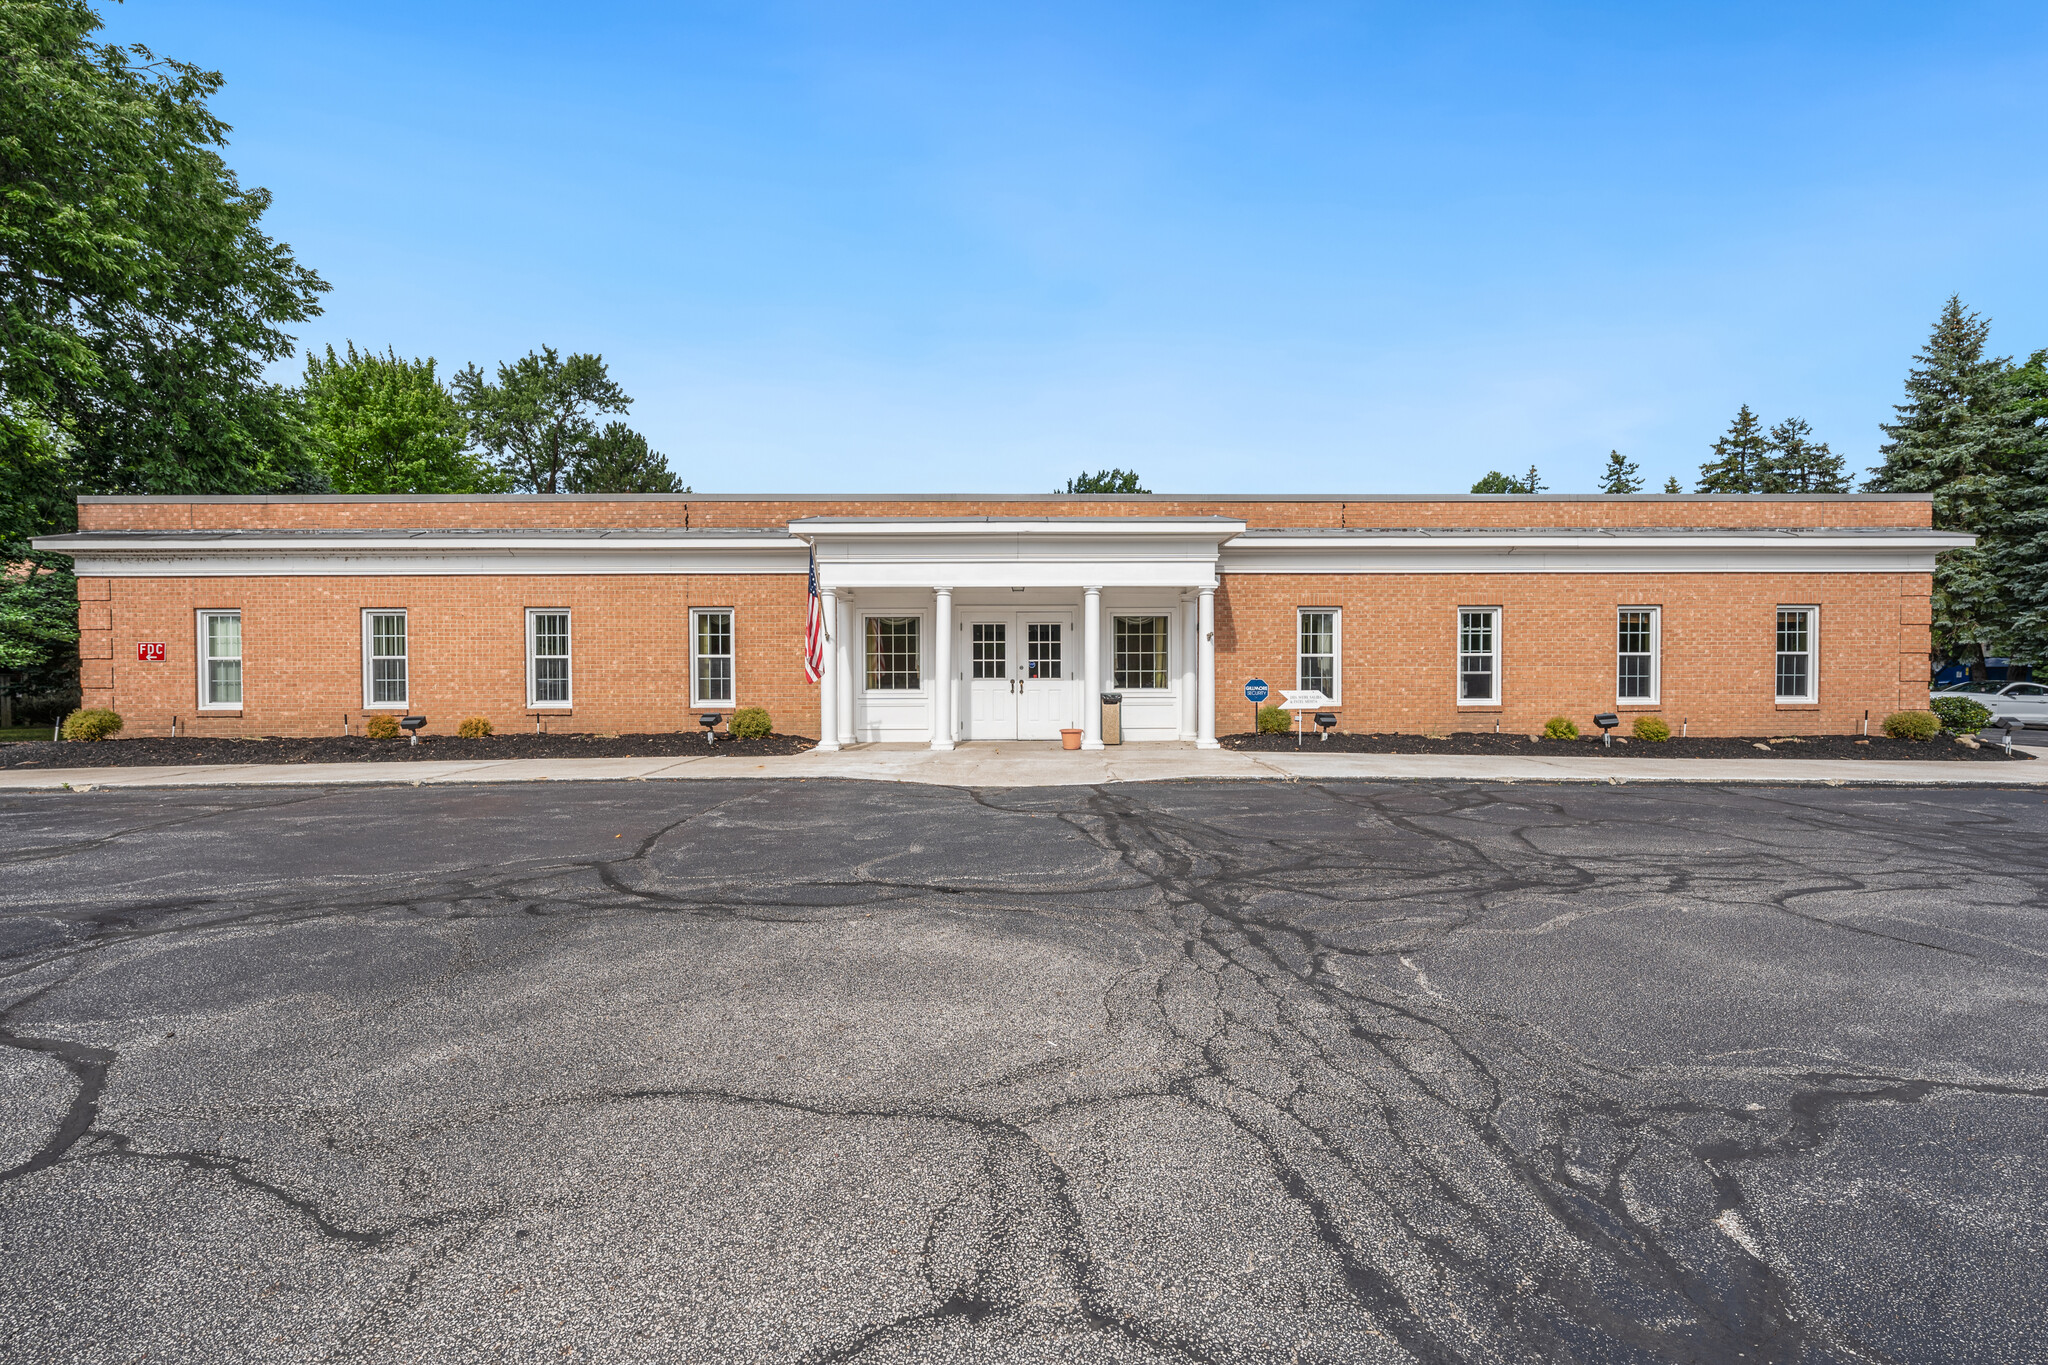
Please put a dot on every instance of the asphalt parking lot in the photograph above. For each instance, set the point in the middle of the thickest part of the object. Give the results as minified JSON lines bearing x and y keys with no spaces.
{"x":824,"y":1071}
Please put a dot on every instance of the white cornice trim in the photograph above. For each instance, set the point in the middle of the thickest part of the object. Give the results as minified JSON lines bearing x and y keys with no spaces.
{"x":1481,"y":552}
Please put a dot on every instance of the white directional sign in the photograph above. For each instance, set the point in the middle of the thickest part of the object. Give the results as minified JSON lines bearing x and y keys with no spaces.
{"x":1310,"y":700}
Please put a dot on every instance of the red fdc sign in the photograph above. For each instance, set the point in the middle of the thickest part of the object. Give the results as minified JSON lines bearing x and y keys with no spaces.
{"x":150,"y":653}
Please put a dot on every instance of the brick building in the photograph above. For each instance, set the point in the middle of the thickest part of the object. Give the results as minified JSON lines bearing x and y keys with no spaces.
{"x":964,"y":618}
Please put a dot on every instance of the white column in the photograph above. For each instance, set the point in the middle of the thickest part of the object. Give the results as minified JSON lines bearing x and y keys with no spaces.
{"x":1091,"y":668}
{"x":1190,"y":701}
{"x":942,"y":670}
{"x":1205,"y":639}
{"x":843,"y":645}
{"x":828,"y":685}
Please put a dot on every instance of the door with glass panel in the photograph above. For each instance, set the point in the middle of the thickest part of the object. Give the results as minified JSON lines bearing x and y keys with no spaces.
{"x":1042,"y":689}
{"x":991,"y":680}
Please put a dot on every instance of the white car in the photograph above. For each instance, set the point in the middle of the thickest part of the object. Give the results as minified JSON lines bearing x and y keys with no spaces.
{"x":2026,"y":702}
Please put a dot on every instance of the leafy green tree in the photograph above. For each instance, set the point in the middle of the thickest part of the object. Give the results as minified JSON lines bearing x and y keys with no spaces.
{"x":1106,"y":481}
{"x":1620,"y":476}
{"x":618,"y":460}
{"x":1797,"y":464}
{"x":1957,"y":436}
{"x":540,"y":416}
{"x":140,"y":302}
{"x":381,"y":424}
{"x":1741,"y":458}
{"x":1671,"y":485}
{"x":1497,"y":482}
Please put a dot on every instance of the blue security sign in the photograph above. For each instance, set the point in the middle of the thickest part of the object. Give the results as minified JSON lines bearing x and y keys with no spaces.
{"x":1255,"y":690}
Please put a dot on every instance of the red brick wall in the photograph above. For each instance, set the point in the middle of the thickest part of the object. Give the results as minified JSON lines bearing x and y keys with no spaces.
{"x":715,"y":513}
{"x":1557,"y":642}
{"x":302,"y":649}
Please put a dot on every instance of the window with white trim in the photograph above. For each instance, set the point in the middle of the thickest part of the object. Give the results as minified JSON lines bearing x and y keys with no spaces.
{"x":1636,"y":648}
{"x":547,"y":658}
{"x":1138,"y":653}
{"x":711,"y":656}
{"x":1478,"y":656}
{"x":894,"y":655}
{"x":1315,"y":650}
{"x":384,"y":659}
{"x":220,"y":660}
{"x":1796,"y":654}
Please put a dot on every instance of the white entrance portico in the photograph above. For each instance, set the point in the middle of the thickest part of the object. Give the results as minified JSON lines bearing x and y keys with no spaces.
{"x":969,"y":628}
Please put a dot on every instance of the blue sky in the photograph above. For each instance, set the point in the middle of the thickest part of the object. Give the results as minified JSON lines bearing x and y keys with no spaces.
{"x":1278,"y":248}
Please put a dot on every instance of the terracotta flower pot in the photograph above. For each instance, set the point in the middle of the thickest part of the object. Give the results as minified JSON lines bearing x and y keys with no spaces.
{"x":1070,"y":739}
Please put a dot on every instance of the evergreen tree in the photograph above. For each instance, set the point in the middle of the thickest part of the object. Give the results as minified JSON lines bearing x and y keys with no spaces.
{"x":381,"y":424}
{"x":619,"y":460}
{"x":1106,"y":481}
{"x":1620,"y":476}
{"x":1956,"y":436}
{"x":1740,"y":458}
{"x":1799,"y":465}
{"x":2023,"y":539}
{"x":1671,"y":485}
{"x":1497,"y":482}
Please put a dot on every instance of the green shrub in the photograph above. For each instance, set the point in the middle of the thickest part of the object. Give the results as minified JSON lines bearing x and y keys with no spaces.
{"x":751,"y":722}
{"x":1961,"y":715}
{"x":382,"y":727}
{"x":1558,"y":727}
{"x":1651,"y":730}
{"x":474,"y":727}
{"x":91,"y":723}
{"x":1912,"y":725}
{"x":1272,"y":721}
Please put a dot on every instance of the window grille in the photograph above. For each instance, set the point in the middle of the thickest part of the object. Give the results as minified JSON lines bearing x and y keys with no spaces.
{"x":548,"y":657}
{"x":1795,"y":654}
{"x":387,"y":659}
{"x":1041,"y":649}
{"x":1316,"y":654}
{"x":221,"y":633}
{"x":1635,"y":677}
{"x":713,"y":645}
{"x":1140,"y":653}
{"x":1478,"y":656}
{"x":991,"y":649}
{"x":893,"y":654}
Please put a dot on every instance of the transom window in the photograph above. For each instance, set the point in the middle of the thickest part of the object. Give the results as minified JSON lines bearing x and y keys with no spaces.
{"x":1635,"y":670}
{"x":1478,"y":654}
{"x":893,"y":663}
{"x":220,"y":658}
{"x":1315,"y":666}
{"x":547,"y":658}
{"x":384,"y":651}
{"x":991,"y":649}
{"x":1139,"y":658}
{"x":1795,"y":654}
{"x":1041,"y":649}
{"x":711,"y":656}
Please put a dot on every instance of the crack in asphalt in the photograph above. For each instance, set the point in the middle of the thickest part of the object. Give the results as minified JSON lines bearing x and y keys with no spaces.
{"x":1473,"y":1182}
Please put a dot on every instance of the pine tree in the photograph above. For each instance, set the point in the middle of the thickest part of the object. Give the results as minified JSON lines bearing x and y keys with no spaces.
{"x":1739,"y":459}
{"x":1532,"y":484}
{"x":2024,"y":537}
{"x":1955,"y":437}
{"x":1799,"y":465}
{"x":1620,"y":476}
{"x":1671,"y":485}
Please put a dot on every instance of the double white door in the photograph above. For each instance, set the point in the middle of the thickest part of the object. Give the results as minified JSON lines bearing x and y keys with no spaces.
{"x":1017,"y":673}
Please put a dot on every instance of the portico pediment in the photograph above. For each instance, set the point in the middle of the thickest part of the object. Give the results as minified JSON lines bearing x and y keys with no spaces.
{"x":970,"y":552}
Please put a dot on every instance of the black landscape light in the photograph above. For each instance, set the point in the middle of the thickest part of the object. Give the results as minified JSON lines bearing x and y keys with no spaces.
{"x":1324,"y":720}
{"x":412,"y":725}
{"x":1607,"y":720}
{"x":709,"y":720}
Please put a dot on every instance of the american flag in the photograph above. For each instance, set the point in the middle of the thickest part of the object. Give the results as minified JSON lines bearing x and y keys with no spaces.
{"x":814,"y":630}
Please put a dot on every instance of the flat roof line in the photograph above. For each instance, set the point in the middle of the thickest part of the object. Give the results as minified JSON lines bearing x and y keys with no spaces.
{"x":370,"y":498}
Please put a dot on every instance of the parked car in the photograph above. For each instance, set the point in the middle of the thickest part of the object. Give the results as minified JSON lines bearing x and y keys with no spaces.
{"x":2026,"y":702}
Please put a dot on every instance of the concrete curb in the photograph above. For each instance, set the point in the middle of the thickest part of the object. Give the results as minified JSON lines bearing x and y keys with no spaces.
{"x":1015,"y":766}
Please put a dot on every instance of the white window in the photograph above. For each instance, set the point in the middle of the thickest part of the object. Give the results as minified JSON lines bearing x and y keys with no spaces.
{"x":220,"y":660}
{"x":547,"y":658}
{"x":1478,"y":656}
{"x":895,"y":663}
{"x":384,"y":657}
{"x":1637,"y":645}
{"x":1797,"y":654}
{"x":711,"y":657}
{"x":1316,"y":649}
{"x":1138,"y":655}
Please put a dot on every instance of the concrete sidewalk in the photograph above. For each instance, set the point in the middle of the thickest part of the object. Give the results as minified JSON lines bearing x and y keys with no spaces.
{"x":1047,"y":765}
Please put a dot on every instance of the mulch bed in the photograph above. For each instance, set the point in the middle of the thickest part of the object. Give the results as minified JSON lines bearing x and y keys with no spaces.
{"x":1944,"y":748}
{"x":153,"y":753}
